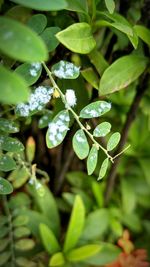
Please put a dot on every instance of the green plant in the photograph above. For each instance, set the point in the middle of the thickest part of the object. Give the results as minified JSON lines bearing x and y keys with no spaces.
{"x":64,"y":65}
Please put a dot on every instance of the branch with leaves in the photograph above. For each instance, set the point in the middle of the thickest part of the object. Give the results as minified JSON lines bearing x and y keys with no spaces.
{"x":59,"y":125}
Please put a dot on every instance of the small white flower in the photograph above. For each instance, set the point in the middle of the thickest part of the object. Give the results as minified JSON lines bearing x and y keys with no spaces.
{"x":70,"y":98}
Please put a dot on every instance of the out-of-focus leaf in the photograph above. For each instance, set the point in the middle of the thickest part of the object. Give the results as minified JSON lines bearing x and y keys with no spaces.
{"x":96,"y":224}
{"x":20,"y":42}
{"x":44,"y":5}
{"x":121,"y":73}
{"x":76,"y":224}
{"x":5,"y":187}
{"x":49,"y":240}
{"x":91,"y":77}
{"x":13,"y":88}
{"x":48,"y":36}
{"x":37,"y":23}
{"x":82,"y":253}
{"x":143,"y":33}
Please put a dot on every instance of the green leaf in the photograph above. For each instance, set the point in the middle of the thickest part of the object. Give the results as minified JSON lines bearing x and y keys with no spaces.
{"x":92,"y":160}
{"x":80,"y":144}
{"x":24,"y":244}
{"x":11,"y":144}
{"x":20,"y":220}
{"x":108,"y":254}
{"x":45,"y":119}
{"x":103,"y":169}
{"x":4,"y":257}
{"x":44,"y":5}
{"x":4,"y":230}
{"x":82,"y":253}
{"x":57,"y":259}
{"x":76,"y":224}
{"x":37,"y":23}
{"x":91,"y":77}
{"x":98,"y":60}
{"x":121,"y":73}
{"x":20,"y":42}
{"x":57,"y":129}
{"x":8,"y":126}
{"x":4,"y":243}
{"x":97,"y":223}
{"x":117,"y":25}
{"x":7,"y":163}
{"x":5,"y":187}
{"x":19,"y":176}
{"x":30,"y":72}
{"x":65,"y":70}
{"x":110,"y":4}
{"x":128,"y":196}
{"x":98,"y":194}
{"x":143,"y":33}
{"x":102,"y":129}
{"x":49,"y":240}
{"x":21,"y":232}
{"x":95,"y":109}
{"x":119,"y":22}
{"x":23,"y":262}
{"x":77,"y":38}
{"x":48,"y":36}
{"x":13,"y":88}
{"x":52,"y":217}
{"x":77,"y":5}
{"x":113,"y":141}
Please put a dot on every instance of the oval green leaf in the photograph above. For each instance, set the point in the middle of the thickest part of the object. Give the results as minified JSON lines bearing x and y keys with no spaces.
{"x":48,"y":36}
{"x":92,"y":231}
{"x":43,"y":5}
{"x":65,"y":70}
{"x":76,"y":224}
{"x":37,"y":23}
{"x":143,"y":33}
{"x":20,"y":42}
{"x":121,"y":73}
{"x":30,"y":72}
{"x":24,"y":244}
{"x":57,"y":129}
{"x":4,"y":257}
{"x":8,"y":126}
{"x":22,"y":231}
{"x":13,"y":88}
{"x":49,"y":240}
{"x":110,"y":4}
{"x":5,"y":187}
{"x":92,"y":160}
{"x":82,"y":253}
{"x":103,"y":169}
{"x":77,"y":38}
{"x":7,"y":163}
{"x":80,"y":144}
{"x":95,"y":109}
{"x":57,"y":259}
{"x":11,"y":144}
{"x":113,"y":141}
{"x":102,"y":129}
